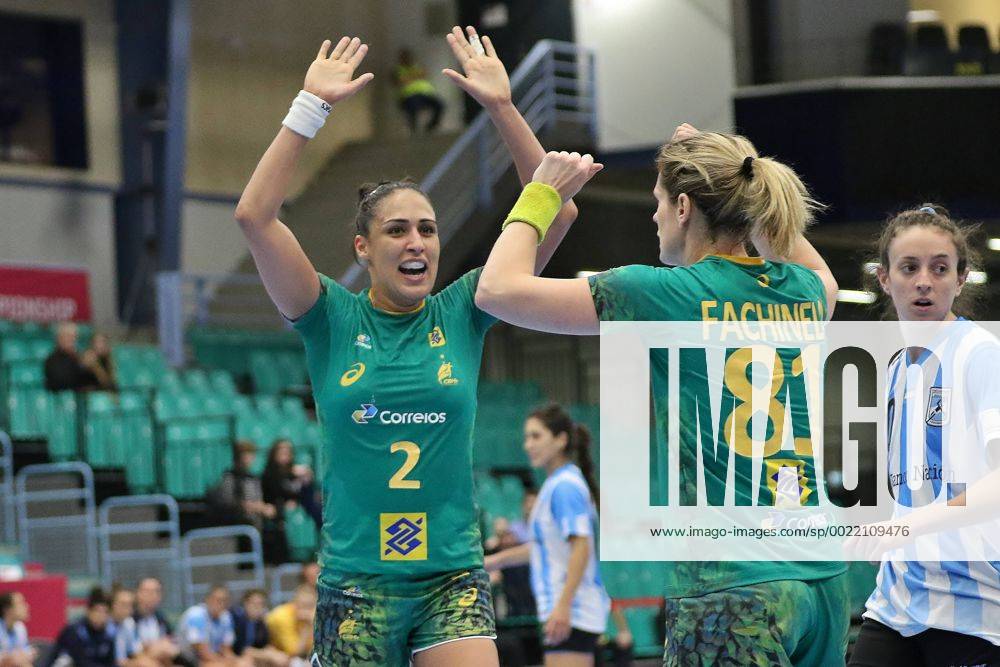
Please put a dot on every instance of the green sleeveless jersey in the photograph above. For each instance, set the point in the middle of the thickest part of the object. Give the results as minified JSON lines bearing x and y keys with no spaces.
{"x":396,"y":397}
{"x":723,"y":289}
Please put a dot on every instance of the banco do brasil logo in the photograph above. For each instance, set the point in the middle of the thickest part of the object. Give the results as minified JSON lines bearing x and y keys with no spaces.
{"x":368,"y":412}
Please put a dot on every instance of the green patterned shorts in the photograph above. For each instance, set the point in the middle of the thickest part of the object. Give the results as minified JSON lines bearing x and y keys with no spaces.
{"x":367,"y":620}
{"x":801,"y":623}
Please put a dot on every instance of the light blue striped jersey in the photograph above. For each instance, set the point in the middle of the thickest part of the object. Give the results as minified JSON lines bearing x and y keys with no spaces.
{"x":198,"y":627}
{"x":14,"y":638}
{"x":949,"y":395}
{"x":564,"y":508}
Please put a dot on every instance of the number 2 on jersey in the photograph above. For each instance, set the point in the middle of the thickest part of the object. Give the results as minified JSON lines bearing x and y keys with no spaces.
{"x":412,"y":450}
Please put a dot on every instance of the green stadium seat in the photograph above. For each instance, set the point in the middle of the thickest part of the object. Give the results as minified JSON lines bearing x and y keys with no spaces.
{"x":222,"y":383}
{"x":301,"y":534}
{"x":63,"y":445}
{"x":14,"y":349}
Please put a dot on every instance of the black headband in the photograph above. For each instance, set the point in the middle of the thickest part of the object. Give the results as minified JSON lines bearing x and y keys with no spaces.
{"x":747,"y":168}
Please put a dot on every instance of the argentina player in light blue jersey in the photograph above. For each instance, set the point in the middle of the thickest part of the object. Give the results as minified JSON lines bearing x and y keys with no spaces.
{"x":943,"y":610}
{"x":565,"y":577}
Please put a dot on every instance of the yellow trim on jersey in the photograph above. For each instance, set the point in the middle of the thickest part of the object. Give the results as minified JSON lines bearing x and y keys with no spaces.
{"x":371,"y":300}
{"x":749,"y":261}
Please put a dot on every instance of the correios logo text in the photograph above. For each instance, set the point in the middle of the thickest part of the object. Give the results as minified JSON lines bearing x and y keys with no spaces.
{"x":369,"y":412}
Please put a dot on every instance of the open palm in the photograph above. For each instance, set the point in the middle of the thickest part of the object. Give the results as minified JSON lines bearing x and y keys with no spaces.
{"x":330,"y":76}
{"x":485,"y":76}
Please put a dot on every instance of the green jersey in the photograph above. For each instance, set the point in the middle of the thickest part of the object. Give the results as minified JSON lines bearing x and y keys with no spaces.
{"x":723,"y":289}
{"x":396,"y":396}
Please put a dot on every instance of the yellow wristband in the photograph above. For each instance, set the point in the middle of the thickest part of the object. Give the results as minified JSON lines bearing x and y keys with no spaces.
{"x":537,"y":206}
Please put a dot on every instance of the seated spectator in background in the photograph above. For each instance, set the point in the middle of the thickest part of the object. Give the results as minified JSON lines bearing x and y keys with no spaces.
{"x":416,"y":93}
{"x":97,"y":359}
{"x":309,"y":574}
{"x":64,"y":369}
{"x":239,"y":498}
{"x":515,"y":580}
{"x":520,"y":527}
{"x":287,"y":485}
{"x":88,"y":642}
{"x":151,"y":627}
{"x":206,"y":632}
{"x":128,"y":649}
{"x":291,"y":624}
{"x":252,"y":638}
{"x":15,"y":651}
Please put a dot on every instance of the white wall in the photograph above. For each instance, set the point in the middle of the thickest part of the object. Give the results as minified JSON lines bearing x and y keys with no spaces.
{"x":211,"y":241}
{"x":63,"y":228}
{"x":659,"y":63}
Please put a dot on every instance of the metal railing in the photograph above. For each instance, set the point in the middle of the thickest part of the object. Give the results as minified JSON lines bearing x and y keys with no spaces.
{"x":211,"y":555}
{"x":554,"y":82}
{"x":6,"y":488}
{"x":56,"y":517}
{"x":140,"y":536}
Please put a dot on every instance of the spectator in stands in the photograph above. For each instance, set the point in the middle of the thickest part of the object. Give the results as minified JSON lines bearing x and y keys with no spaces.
{"x":284,"y":485}
{"x":15,"y":651}
{"x":151,"y":627}
{"x":291,"y":624}
{"x":239,"y":496}
{"x":252,"y":639}
{"x":97,"y":359}
{"x":64,"y":368}
{"x":206,"y":632}
{"x":88,"y":642}
{"x":128,"y":649}
{"x":416,"y":93}
{"x":521,"y":527}
{"x":309,"y":574}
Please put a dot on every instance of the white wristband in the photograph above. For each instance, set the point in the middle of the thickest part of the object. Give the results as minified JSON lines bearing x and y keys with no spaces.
{"x":307,"y":114}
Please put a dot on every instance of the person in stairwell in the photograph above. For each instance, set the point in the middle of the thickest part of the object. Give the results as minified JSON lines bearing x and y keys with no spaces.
{"x":395,"y":369}
{"x":416,"y":93}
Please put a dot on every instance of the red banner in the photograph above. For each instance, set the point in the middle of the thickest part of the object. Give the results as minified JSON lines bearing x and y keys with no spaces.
{"x":39,"y":294}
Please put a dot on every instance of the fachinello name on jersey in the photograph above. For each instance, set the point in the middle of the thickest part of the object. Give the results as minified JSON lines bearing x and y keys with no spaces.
{"x":369,"y":412}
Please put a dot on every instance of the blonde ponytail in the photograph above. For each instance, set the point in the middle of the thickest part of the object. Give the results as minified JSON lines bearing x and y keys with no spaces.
{"x":739,"y":197}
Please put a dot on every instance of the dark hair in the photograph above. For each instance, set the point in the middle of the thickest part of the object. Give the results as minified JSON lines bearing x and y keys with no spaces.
{"x":370,"y":195}
{"x":6,"y":602}
{"x":215,"y":588}
{"x":252,"y":592}
{"x":241,"y":447}
{"x":97,"y":596}
{"x":927,"y":215}
{"x":558,"y":421}
{"x":272,"y":466}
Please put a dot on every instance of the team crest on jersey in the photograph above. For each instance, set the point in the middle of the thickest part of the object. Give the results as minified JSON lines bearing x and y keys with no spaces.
{"x":348,"y":629}
{"x":938,"y":411}
{"x":790,"y":489}
{"x":352,"y":374}
{"x":404,"y":536}
{"x":363,"y":340}
{"x":436,"y":337}
{"x":444,"y":374}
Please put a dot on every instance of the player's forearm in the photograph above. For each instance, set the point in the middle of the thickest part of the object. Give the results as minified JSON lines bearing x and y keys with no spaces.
{"x":578,"y":556}
{"x":268,"y":186}
{"x":527,"y":153}
{"x":512,"y":557}
{"x":509,"y":270}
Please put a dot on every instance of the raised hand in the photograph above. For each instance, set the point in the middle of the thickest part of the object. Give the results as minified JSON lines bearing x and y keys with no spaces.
{"x":485,"y":77}
{"x":683,"y":131}
{"x":330,"y":76}
{"x":566,"y":172}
